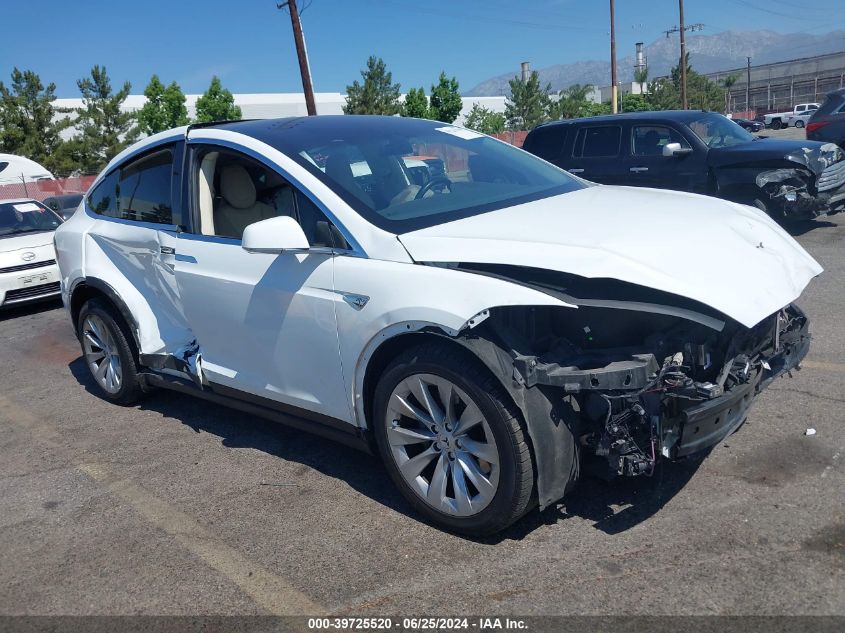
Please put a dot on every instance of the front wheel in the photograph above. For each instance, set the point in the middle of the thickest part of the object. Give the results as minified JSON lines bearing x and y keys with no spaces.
{"x":777,"y":124}
{"x":452,"y":441}
{"x":108,"y":352}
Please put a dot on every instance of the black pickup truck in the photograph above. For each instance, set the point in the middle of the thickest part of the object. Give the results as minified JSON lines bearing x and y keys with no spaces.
{"x":701,"y":152}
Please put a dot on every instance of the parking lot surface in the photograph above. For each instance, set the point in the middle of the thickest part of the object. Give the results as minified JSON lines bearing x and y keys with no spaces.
{"x":177,"y":506}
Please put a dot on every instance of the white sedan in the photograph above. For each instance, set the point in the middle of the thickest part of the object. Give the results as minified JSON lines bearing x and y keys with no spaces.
{"x":28,"y":270}
{"x":476,"y":316}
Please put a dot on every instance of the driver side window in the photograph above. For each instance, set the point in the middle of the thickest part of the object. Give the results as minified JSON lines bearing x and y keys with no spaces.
{"x":233,"y":191}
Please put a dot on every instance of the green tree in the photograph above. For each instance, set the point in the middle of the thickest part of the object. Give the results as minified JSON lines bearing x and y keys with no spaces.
{"x":446,"y":101}
{"x":416,"y":104}
{"x":703,"y":93}
{"x":728,"y":83}
{"x":217,"y":104}
{"x":641,"y":77}
{"x":595,"y":109}
{"x":164,"y":109}
{"x":528,"y":104}
{"x":634,"y":103}
{"x":28,"y":123}
{"x":572,"y":102}
{"x":377,"y":95}
{"x":484,"y":120}
{"x":104,"y":128}
{"x":664,"y":94}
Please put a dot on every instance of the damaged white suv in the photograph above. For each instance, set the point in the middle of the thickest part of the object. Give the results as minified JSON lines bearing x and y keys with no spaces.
{"x":480,"y":318}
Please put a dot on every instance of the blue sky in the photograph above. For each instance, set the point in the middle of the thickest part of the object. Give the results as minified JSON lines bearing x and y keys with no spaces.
{"x":248,"y":43}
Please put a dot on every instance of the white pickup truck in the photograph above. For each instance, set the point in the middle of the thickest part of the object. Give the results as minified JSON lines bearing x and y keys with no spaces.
{"x":777,"y":120}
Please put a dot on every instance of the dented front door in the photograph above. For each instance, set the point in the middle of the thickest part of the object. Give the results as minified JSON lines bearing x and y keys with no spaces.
{"x":264,"y":323}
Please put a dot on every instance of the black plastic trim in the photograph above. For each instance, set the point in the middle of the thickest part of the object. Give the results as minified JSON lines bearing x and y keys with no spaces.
{"x":111,"y":295}
{"x":294,"y":417}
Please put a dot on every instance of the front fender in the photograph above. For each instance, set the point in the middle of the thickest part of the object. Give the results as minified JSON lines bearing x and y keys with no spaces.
{"x":399,"y":298}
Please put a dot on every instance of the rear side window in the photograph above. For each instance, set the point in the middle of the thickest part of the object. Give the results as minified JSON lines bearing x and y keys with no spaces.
{"x":144,"y":189}
{"x":103,"y":199}
{"x":138,"y":191}
{"x":599,"y":141}
{"x":547,"y":142}
{"x":832,"y":104}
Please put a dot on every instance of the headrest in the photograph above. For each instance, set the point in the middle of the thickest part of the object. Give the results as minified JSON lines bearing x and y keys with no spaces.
{"x":237,"y":187}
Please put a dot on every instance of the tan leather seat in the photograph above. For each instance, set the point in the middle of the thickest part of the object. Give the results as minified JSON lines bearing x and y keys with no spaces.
{"x":238,"y":207}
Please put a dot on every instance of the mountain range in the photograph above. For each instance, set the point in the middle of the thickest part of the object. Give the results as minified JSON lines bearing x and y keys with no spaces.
{"x":708,"y":53}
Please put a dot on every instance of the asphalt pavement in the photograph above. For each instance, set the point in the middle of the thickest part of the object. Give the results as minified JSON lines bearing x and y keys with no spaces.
{"x":177,"y":506}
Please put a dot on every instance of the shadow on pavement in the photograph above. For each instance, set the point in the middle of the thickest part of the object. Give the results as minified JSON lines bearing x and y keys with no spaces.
{"x":801,"y":227}
{"x":593,"y":499}
{"x":30,"y":309}
{"x":634,"y":499}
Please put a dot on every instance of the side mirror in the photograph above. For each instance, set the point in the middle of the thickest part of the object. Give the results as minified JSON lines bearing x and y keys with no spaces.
{"x":675,"y":149}
{"x":274,"y":236}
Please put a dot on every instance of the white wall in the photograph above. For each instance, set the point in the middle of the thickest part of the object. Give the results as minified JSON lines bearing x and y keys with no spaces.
{"x":277,"y":105}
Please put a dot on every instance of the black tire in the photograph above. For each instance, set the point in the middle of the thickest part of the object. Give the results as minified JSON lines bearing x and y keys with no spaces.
{"x":799,"y":123}
{"x":513,"y":498}
{"x":130,"y":388}
{"x":777,"y":124}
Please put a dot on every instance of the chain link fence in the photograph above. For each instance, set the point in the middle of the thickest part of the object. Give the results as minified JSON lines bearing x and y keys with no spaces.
{"x":41,"y":189}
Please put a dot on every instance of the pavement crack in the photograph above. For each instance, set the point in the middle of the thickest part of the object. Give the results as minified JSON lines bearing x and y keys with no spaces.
{"x":806,"y":392}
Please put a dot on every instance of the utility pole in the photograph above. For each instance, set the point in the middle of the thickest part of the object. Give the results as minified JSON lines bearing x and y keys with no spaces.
{"x":302,"y":54}
{"x":613,"y":86}
{"x":682,"y":29}
{"x":747,"y":85}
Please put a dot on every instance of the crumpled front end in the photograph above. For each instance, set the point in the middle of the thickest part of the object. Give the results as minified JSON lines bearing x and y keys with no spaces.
{"x":648,"y":382}
{"x":684,"y":403}
{"x":813,"y":184}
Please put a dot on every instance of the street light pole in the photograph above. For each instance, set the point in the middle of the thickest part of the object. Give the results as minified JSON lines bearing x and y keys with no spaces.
{"x":613,"y":83}
{"x":302,"y":54}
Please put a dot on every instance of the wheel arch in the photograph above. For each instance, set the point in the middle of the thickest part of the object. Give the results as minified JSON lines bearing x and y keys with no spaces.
{"x":88,"y":288}
{"x":547,"y":419}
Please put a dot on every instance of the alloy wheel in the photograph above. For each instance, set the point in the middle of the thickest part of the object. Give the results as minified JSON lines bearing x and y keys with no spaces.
{"x":442,"y":445}
{"x":101,"y":354}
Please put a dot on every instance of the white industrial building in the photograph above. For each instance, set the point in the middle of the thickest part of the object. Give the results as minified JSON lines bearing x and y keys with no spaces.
{"x":283,"y":104}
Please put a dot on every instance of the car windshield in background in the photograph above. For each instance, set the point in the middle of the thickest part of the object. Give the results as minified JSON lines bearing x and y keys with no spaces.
{"x":70,"y":201}
{"x":407,"y":174}
{"x":714,"y":130}
{"x":26,"y":217}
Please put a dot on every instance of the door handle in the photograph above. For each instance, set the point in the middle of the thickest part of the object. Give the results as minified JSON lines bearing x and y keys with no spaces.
{"x":637,"y":170}
{"x":575,"y":171}
{"x":168,"y":250}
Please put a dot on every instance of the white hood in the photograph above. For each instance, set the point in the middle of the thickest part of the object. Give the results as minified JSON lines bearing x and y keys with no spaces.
{"x":730,"y":257}
{"x":12,"y":247}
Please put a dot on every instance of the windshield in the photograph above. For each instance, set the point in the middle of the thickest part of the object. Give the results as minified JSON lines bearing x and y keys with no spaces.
{"x":404,"y":174}
{"x":69,"y":201}
{"x":714,"y":130}
{"x":26,"y":217}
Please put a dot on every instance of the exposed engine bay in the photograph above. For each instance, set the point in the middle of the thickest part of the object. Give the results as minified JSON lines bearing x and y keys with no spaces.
{"x":645,"y":385}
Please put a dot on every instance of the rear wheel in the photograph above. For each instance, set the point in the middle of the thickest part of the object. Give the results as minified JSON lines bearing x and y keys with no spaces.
{"x":799,"y":123}
{"x":108,"y":352}
{"x":452,"y":441}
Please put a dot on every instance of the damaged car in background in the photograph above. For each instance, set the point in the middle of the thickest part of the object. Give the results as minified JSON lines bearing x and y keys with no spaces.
{"x":484,"y":323}
{"x":700,"y":152}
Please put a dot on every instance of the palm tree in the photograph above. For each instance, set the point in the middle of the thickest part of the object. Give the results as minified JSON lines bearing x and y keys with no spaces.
{"x":728,"y":83}
{"x":641,"y":77}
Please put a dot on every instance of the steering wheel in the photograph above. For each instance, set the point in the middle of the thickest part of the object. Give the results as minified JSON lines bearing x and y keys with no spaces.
{"x":442,"y":181}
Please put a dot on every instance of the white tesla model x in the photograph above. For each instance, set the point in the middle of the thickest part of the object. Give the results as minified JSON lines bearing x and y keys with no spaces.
{"x":476,"y":316}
